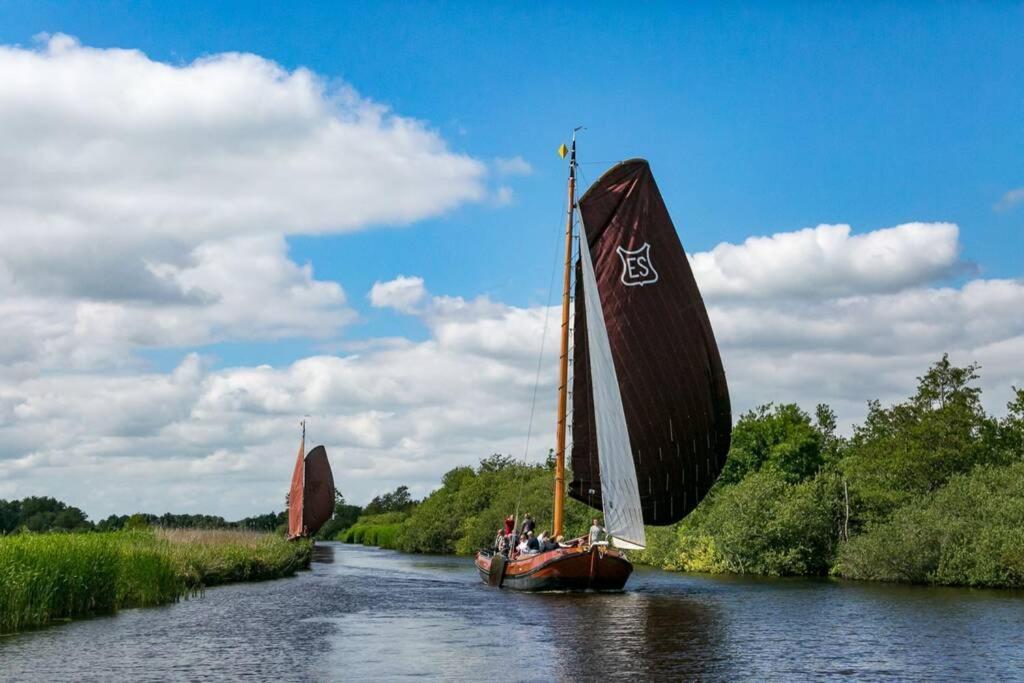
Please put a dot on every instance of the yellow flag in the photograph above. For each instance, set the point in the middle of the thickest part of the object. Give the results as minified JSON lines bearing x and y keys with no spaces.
{"x":563,"y":150}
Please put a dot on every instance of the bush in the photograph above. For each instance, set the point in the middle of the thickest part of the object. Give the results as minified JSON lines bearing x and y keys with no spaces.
{"x":764,"y":525}
{"x":970,"y":532}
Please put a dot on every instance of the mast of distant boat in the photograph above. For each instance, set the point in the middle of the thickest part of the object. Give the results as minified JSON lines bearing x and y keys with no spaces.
{"x":563,"y":365}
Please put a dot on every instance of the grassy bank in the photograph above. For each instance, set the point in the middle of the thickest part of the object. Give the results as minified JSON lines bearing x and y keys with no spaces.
{"x":50,"y":577}
{"x":381,"y":530}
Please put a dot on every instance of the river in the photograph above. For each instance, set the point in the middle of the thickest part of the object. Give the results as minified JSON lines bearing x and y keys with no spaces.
{"x":364,"y":613}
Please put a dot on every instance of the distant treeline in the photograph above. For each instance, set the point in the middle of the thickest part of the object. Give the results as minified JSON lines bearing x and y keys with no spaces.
{"x":929,"y":490}
{"x":40,"y":514}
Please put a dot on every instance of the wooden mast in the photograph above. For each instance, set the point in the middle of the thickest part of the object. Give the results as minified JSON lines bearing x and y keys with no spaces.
{"x":563,"y":365}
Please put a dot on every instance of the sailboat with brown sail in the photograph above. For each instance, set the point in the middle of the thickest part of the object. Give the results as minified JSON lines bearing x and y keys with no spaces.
{"x":651,"y":418}
{"x":311,"y":496}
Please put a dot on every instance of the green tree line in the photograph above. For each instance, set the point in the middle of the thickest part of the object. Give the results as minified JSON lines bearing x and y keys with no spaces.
{"x":42,"y":514}
{"x":928,"y":490}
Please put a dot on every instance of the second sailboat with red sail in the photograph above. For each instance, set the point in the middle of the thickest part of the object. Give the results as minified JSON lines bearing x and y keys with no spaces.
{"x":311,"y":496}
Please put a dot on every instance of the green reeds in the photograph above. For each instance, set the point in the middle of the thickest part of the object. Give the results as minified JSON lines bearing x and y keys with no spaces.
{"x":50,"y":577}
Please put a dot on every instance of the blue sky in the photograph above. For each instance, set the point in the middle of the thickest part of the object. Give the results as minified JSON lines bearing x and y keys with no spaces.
{"x":160,"y":336}
{"x":757,"y":119}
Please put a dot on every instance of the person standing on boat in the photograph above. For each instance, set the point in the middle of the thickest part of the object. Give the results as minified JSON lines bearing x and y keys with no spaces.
{"x":528,"y":523}
{"x":595,"y":532}
{"x":510,"y":525}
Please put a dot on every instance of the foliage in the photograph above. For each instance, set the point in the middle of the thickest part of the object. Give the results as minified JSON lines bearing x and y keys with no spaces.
{"x":466,"y":511}
{"x":970,"y":532}
{"x":469,"y":508}
{"x":914,"y":447}
{"x":777,"y":438}
{"x":46,"y":577}
{"x":765,"y":525}
{"x":40,"y":514}
{"x":930,"y":490}
{"x":381,"y":530}
{"x":344,"y":516}
{"x":398,"y":500}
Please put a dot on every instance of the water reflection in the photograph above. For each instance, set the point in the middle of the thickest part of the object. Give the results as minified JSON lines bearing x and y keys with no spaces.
{"x":636,"y":634}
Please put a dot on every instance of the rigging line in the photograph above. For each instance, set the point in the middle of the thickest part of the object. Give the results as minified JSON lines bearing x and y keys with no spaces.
{"x":536,"y":383}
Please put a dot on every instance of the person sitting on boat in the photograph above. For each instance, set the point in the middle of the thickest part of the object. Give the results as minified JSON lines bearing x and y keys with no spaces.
{"x":595,"y":532}
{"x":532,"y":544}
{"x":528,"y":523}
{"x":560,"y":542}
{"x":522,"y":548}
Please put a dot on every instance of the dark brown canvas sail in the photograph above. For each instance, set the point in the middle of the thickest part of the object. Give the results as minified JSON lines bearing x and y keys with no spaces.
{"x":669,"y":371}
{"x":318,"y":490}
{"x":295,"y":492}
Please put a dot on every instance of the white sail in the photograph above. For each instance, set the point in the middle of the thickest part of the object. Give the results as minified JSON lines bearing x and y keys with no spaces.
{"x":620,"y":493}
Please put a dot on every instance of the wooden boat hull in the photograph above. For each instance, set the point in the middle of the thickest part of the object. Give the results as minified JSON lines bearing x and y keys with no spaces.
{"x":596,"y":568}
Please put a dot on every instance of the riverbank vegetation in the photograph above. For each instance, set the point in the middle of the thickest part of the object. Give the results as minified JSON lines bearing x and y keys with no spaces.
{"x":57,"y":576}
{"x":928,"y":490}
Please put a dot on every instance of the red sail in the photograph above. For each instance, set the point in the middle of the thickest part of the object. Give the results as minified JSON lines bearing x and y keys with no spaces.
{"x":669,"y":371}
{"x":318,"y":491}
{"x":295,"y":493}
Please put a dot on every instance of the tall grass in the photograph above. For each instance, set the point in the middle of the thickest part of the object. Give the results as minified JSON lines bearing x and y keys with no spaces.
{"x":50,"y":577}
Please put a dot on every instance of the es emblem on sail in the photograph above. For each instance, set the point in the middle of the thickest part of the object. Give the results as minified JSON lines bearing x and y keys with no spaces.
{"x":637,"y":268}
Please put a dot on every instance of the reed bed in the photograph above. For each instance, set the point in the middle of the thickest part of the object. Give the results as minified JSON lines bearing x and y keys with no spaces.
{"x":51,"y":577}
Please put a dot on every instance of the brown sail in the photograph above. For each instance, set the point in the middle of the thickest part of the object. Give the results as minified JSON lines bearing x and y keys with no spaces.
{"x":296,"y":526}
{"x":670,"y":375}
{"x":318,"y":490}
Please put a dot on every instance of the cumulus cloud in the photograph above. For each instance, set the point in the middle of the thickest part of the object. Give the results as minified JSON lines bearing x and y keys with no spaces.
{"x":403,"y":294}
{"x":145,"y":204}
{"x":827,"y":261}
{"x":222,"y":441}
{"x":396,"y":411}
{"x":239,"y":288}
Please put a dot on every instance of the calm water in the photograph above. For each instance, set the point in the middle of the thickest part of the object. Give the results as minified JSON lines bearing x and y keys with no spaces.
{"x":371,"y":614}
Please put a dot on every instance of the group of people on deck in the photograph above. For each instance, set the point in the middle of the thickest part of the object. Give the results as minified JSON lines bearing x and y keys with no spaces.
{"x":513,"y":544}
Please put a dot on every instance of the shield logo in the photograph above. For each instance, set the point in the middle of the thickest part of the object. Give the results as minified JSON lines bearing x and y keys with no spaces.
{"x":637,"y":267}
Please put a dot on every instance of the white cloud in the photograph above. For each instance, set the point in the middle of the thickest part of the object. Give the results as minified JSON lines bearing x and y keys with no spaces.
{"x":239,"y":288}
{"x":145,"y":204}
{"x":827,"y":261}
{"x":222,"y":441}
{"x":1011,"y":199}
{"x":403,"y":294}
{"x":512,"y":166}
{"x":396,"y":411}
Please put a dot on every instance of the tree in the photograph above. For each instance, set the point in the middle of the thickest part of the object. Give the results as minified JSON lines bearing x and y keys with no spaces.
{"x":914,"y":447}
{"x":398,"y":500}
{"x":780,"y":438}
{"x":344,"y":516}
